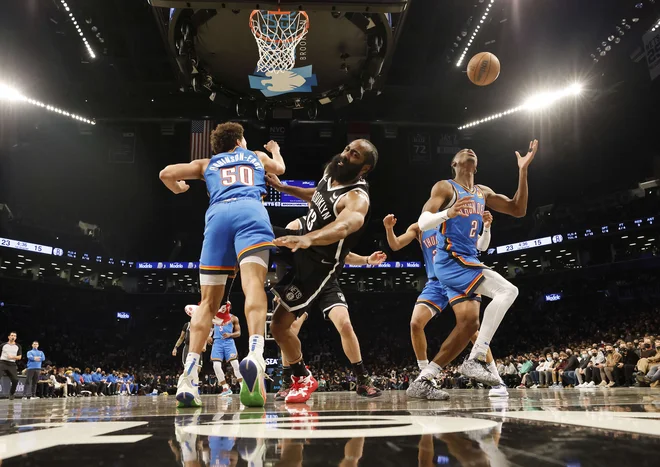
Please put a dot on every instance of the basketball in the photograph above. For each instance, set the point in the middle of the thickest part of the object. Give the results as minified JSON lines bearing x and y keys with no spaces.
{"x":483,"y":69}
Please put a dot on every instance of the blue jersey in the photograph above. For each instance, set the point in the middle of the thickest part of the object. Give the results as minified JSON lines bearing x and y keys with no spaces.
{"x":218,"y":331}
{"x":235,"y":174}
{"x":459,"y":235}
{"x":428,"y":241}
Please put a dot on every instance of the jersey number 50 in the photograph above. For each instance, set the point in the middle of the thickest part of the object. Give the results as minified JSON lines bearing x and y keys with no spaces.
{"x":240,"y":173}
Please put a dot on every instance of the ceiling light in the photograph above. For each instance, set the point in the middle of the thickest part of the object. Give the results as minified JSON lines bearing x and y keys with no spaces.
{"x":11,"y":94}
{"x":90,"y":51}
{"x":459,"y":62}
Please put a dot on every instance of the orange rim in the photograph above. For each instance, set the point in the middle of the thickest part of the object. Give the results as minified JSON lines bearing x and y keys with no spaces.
{"x":257,"y":33}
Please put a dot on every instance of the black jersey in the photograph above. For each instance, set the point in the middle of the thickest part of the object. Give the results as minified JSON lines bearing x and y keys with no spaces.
{"x":323,"y":211}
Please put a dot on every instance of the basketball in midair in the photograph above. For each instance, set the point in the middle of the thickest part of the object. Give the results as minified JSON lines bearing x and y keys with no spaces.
{"x":483,"y":68}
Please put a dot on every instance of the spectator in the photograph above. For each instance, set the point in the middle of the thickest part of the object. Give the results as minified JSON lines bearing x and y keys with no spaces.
{"x":35,"y":359}
{"x":581,"y":373}
{"x":545,"y":371}
{"x":10,"y":354}
{"x":607,"y":370}
{"x":510,"y":377}
{"x":569,"y":378}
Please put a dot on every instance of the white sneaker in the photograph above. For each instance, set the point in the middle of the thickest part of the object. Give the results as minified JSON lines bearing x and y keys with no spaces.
{"x":498,"y":391}
{"x":534,"y":386}
{"x":187,"y":392}
{"x":591,"y":385}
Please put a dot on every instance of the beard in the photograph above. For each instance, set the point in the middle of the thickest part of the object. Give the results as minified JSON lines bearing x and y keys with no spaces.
{"x":344,"y":173}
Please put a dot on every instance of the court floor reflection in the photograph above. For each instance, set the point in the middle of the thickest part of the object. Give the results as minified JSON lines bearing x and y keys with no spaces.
{"x":593,"y":427}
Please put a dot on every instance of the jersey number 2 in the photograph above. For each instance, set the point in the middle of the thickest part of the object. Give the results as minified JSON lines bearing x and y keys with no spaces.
{"x":473,"y":230}
{"x":241,"y":173}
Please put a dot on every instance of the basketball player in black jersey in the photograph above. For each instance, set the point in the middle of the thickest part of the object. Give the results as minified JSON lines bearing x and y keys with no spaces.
{"x":334,"y":223}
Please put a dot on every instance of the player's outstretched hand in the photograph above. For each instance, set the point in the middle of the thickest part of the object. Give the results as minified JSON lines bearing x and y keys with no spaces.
{"x":377,"y":257}
{"x":274,"y":181}
{"x":294,"y":242}
{"x":181,"y":187}
{"x":460,"y":207}
{"x":488,"y":219}
{"x":389,"y":221}
{"x":523,"y":162}
{"x":272,"y":146}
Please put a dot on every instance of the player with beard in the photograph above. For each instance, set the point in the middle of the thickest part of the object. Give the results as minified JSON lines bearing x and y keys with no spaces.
{"x":336,"y":219}
{"x":456,"y":264}
{"x":281,"y":260}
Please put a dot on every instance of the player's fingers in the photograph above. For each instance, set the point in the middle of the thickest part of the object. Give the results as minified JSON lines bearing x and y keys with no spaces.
{"x":518,"y":155}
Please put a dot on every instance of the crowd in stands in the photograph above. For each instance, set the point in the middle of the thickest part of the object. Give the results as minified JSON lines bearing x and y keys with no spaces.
{"x":539,"y":344}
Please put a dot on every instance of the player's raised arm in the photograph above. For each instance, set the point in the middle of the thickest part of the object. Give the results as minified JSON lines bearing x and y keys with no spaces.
{"x":441,"y":194}
{"x":484,"y":239}
{"x":276,"y":164}
{"x":403,"y":240}
{"x":516,"y":206}
{"x":304,"y":194}
{"x":173,"y":176}
{"x":349,"y":220}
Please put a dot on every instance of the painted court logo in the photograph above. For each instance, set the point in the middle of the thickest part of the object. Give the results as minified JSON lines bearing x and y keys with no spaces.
{"x":275,"y":83}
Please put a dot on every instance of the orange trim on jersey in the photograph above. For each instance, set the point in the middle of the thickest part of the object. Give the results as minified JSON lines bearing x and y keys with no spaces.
{"x":474,"y":283}
{"x":467,"y":263}
{"x":429,"y":302}
{"x":254,"y":247}
{"x":217,"y":268}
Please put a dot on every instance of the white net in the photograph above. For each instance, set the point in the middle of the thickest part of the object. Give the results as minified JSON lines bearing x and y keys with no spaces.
{"x":277,"y":35}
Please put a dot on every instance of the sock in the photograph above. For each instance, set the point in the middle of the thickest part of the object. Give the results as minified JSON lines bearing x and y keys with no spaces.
{"x":257,"y":344}
{"x":217,"y":367}
{"x":431,"y":371}
{"x":422,"y":364}
{"x":225,"y":386}
{"x":493,"y":369}
{"x":191,"y":366}
{"x":503,"y":294}
{"x":237,"y":371}
{"x":359,"y":370}
{"x":299,"y":369}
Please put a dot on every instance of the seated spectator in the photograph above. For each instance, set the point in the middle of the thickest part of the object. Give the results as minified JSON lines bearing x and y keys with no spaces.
{"x":568,"y":377}
{"x":558,"y":370}
{"x":510,"y":377}
{"x":607,"y":370}
{"x":545,"y":371}
{"x":581,"y":372}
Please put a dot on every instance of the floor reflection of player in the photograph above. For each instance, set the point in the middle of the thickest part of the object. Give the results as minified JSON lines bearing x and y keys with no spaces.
{"x":222,"y":453}
{"x":188,"y":449}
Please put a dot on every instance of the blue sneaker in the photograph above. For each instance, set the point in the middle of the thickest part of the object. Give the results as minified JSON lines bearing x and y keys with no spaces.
{"x":253,"y":390}
{"x":187,"y":393}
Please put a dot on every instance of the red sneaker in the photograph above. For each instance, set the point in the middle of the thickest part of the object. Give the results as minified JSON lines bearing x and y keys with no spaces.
{"x":301,"y":389}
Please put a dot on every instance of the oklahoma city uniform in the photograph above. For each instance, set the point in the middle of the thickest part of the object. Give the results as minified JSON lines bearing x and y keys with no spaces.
{"x":456,"y":264}
{"x":237,"y":223}
{"x":434,"y":296}
{"x":313,"y":276}
{"x":223,"y":349}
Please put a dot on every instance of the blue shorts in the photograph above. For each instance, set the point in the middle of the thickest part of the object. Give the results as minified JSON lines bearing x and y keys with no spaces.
{"x":224,"y":350}
{"x":461,"y":275}
{"x":234,"y":229}
{"x":220,"y":447}
{"x":433,"y":297}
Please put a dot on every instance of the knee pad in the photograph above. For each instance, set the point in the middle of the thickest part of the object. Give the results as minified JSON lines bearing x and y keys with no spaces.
{"x":237,"y":372}
{"x":217,"y":368}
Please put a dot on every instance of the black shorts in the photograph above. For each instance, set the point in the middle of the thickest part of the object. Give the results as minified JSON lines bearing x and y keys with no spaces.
{"x":309,"y":282}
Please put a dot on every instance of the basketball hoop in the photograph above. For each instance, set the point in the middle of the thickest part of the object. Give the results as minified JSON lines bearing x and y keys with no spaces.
{"x":278,"y":33}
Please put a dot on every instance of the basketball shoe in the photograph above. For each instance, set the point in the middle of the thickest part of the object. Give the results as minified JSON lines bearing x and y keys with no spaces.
{"x":187,"y":392}
{"x":253,"y":388}
{"x":284,"y":390}
{"x":478,"y":369}
{"x":425,"y":388}
{"x":365,"y":387}
{"x":301,"y":389}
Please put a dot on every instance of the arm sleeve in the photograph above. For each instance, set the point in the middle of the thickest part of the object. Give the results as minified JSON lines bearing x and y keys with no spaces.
{"x":484,"y":240}
{"x":30,"y":356}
